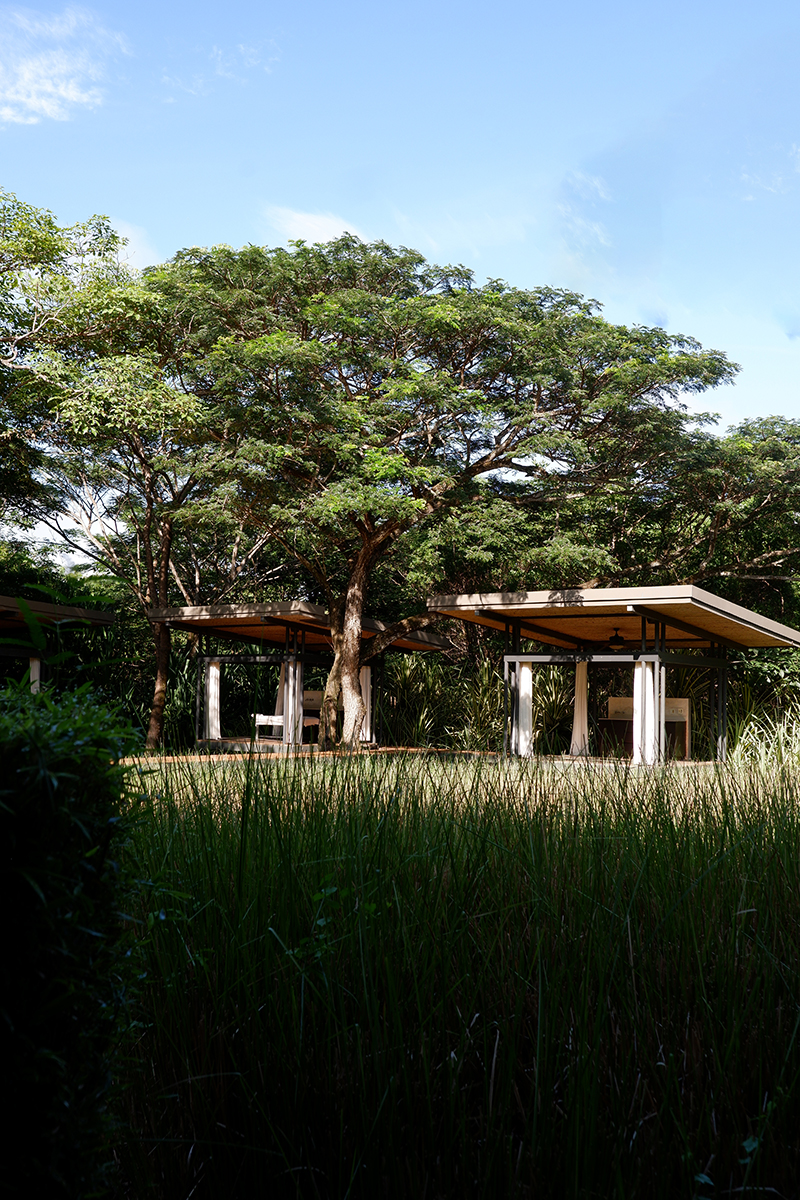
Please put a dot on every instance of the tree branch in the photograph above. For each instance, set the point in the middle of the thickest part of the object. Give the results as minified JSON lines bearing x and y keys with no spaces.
{"x":399,"y":629}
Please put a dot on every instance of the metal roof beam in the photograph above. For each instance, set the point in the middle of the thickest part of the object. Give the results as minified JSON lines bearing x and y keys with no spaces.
{"x":529,"y":629}
{"x":706,"y":635}
{"x":580,"y":616}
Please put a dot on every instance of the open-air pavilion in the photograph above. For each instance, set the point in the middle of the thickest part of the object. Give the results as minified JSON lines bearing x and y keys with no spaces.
{"x":15,"y":635}
{"x":650,"y":628}
{"x":293,"y":636}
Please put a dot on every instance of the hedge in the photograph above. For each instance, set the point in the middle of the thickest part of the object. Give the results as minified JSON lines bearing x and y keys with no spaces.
{"x":63,"y":976}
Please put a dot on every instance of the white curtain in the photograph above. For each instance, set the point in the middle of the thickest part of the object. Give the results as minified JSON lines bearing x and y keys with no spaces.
{"x":644,"y":714}
{"x":212,"y":701}
{"x":366,"y":695}
{"x":290,"y":698}
{"x":525,"y":714}
{"x":580,"y":713}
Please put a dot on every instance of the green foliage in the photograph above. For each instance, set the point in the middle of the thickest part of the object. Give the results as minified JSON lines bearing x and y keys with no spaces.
{"x":29,"y":571}
{"x":405,"y":976}
{"x":370,"y":390}
{"x":721,"y":512}
{"x":427,"y":701}
{"x":32,"y":240}
{"x":113,"y":659}
{"x":63,"y":974}
{"x":430,"y":701}
{"x":363,"y":397}
{"x":765,"y":738}
{"x":44,"y":271}
{"x":387,"y":425}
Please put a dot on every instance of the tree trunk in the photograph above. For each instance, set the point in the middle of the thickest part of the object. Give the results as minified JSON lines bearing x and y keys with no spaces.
{"x":330,"y":706}
{"x":345,"y":618}
{"x":158,"y":591}
{"x":155,"y":728}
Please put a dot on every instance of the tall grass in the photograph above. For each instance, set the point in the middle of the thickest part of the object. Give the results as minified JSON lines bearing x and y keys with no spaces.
{"x":405,"y":977}
{"x":764,"y":740}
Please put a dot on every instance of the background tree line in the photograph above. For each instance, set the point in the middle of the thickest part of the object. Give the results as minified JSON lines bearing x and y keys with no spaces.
{"x":350,"y":424}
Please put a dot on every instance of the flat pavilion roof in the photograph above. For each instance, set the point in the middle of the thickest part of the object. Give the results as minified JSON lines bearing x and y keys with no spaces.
{"x":268,"y":623}
{"x":12,"y":620}
{"x":571,"y":617}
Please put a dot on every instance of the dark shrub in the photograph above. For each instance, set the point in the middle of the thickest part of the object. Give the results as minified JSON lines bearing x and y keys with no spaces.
{"x":62,"y":986}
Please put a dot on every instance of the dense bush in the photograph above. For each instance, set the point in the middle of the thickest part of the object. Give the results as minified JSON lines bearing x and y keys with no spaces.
{"x":62,"y":987}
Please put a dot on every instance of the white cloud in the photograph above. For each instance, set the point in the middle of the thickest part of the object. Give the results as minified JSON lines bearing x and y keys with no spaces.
{"x":776,"y":183}
{"x":581,"y":231}
{"x":222,"y":63}
{"x":47,"y":85}
{"x":309,"y":227}
{"x":588,"y":187}
{"x":229,"y":63}
{"x":259,"y":55}
{"x":139,"y":251}
{"x":51,"y":65}
{"x":236,"y":63}
{"x":196,"y":86}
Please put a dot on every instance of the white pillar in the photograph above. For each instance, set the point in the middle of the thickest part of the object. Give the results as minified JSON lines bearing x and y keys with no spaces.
{"x":299,"y":703}
{"x":525,"y":713}
{"x":579,"y":743}
{"x":292,"y":675}
{"x":661,"y":687}
{"x":35,"y":674}
{"x":650,"y":728}
{"x":365,"y":678}
{"x":212,"y":701}
{"x":644,"y":712}
{"x":289,"y":697}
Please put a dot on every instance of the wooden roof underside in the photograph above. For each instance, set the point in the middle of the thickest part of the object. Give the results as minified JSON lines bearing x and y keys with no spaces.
{"x":572,"y":617}
{"x":269,"y":623}
{"x":12,"y":620}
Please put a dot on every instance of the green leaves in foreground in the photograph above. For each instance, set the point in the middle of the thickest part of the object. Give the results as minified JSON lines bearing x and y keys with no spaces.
{"x":62,"y":981}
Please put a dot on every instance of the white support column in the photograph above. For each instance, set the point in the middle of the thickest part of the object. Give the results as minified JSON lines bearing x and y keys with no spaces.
{"x":299,"y":703}
{"x":288,"y":702}
{"x":292,"y":673}
{"x":212,"y":701}
{"x":644,"y":706}
{"x":365,"y":678}
{"x":579,"y":743}
{"x":524,"y":740}
{"x":650,"y":727}
{"x":637,"y":712}
{"x":35,"y":674}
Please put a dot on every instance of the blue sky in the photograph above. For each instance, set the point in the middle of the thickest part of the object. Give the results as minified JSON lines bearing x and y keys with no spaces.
{"x":645,"y":155}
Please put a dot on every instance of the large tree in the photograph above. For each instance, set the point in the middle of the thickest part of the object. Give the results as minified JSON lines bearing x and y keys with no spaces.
{"x":720,"y":511}
{"x":370,"y":393}
{"x":138,"y":484}
{"x":43,"y":266}
{"x":100,"y":442}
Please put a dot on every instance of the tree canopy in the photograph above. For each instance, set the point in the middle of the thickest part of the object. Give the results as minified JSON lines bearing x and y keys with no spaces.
{"x":389,"y":426}
{"x":370,"y":393}
{"x":41,"y":268}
